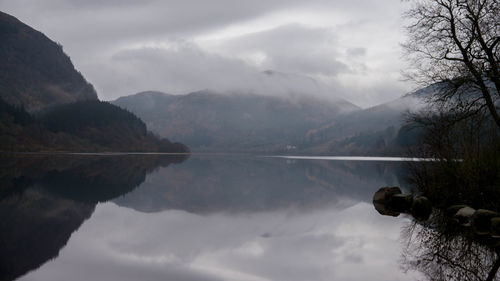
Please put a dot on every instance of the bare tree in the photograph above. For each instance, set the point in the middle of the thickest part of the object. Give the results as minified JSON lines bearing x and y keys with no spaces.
{"x":455,"y":43}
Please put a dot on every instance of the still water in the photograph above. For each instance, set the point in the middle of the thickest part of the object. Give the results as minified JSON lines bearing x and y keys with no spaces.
{"x":153,"y":217}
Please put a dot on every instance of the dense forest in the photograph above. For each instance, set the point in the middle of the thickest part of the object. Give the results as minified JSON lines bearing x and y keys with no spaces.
{"x":84,"y":126}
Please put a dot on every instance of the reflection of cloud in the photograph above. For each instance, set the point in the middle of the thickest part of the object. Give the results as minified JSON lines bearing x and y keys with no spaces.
{"x":328,"y":244}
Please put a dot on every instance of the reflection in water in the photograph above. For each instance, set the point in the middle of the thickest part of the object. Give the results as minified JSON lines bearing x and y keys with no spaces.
{"x":449,"y":253}
{"x":457,"y":243}
{"x":44,"y":199}
{"x":243,"y":184}
{"x":209,"y":218}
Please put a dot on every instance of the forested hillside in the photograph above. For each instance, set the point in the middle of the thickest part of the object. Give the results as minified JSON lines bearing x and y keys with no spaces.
{"x":34,"y":71}
{"x":47,"y":105}
{"x":211,"y":121}
{"x":86,"y":126}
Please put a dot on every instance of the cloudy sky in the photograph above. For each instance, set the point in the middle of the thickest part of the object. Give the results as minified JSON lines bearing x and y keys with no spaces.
{"x":350,"y":49}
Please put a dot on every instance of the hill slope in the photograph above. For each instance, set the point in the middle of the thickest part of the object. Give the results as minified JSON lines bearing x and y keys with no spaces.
{"x":376,"y":130}
{"x":211,"y":121}
{"x":85,"y":126}
{"x":36,"y":75}
{"x":34,"y":71}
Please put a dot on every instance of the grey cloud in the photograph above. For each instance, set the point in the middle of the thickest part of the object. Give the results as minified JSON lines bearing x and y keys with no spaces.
{"x":184,"y":67}
{"x":107,"y":42}
{"x":356,"y":51}
{"x":293,"y":48}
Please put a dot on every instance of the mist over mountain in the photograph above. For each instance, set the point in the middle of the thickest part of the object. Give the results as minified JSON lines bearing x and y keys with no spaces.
{"x":34,"y":71}
{"x":46,"y":105}
{"x":375,"y":130}
{"x":211,"y":121}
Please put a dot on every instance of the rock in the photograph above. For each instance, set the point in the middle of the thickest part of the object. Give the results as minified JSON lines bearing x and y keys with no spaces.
{"x":421,"y":208}
{"x":384,"y":193}
{"x":453,"y":209}
{"x":401,"y":203}
{"x":481,"y":221}
{"x":385,"y":210}
{"x":383,"y":198}
{"x":464,"y":215}
{"x":495,"y":227}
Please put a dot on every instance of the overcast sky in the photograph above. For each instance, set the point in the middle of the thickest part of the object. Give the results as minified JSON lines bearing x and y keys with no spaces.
{"x":350,"y":48}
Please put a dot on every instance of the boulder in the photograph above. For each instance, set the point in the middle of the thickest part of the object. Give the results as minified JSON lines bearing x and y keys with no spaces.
{"x":385,"y":193}
{"x":495,"y":227}
{"x":481,"y":221}
{"x":464,"y":215}
{"x":421,"y":208}
{"x":453,"y":209}
{"x":383,"y":199}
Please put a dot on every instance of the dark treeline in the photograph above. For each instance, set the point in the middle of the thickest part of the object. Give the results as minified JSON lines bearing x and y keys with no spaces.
{"x":87,"y":126}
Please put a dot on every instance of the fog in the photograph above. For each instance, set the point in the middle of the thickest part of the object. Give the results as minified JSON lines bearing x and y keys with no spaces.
{"x":350,"y":50}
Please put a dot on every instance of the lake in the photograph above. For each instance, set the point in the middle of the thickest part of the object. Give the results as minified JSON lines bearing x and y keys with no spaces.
{"x":202,"y":217}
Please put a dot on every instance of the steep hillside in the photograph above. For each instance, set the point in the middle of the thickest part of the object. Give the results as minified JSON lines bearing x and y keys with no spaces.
{"x":85,"y":126}
{"x":375,"y":130}
{"x":46,"y":105}
{"x":241,"y":122}
{"x":34,"y":71}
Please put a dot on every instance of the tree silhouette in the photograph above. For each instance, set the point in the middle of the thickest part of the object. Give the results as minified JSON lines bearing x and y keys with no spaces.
{"x":455,"y":43}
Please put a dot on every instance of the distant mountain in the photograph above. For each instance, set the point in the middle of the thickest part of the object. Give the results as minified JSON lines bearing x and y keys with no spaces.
{"x":376,"y":130}
{"x":211,"y":121}
{"x":34,"y":71}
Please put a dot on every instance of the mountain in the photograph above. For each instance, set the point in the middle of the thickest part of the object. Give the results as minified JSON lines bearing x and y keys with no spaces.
{"x":376,"y":130}
{"x":84,"y":126}
{"x":211,"y":121}
{"x":34,"y":71}
{"x":46,"y":105}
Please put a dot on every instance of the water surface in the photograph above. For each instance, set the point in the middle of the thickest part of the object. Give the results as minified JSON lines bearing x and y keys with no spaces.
{"x":153,"y":217}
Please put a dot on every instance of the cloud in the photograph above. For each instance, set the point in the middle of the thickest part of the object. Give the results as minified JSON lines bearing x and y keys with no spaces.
{"x":183,"y":67}
{"x":350,"y":47}
{"x":291,"y":48}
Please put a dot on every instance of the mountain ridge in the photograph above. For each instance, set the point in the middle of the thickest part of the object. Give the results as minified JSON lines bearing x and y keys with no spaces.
{"x":212,"y":121}
{"x":34,"y":71}
{"x":47,"y":105}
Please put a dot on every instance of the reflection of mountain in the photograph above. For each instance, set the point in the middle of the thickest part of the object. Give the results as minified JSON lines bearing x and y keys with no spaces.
{"x":43,"y":200}
{"x":204,"y":185}
{"x":34,"y":226}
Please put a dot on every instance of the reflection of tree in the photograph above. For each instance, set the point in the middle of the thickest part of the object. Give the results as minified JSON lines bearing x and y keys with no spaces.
{"x":44,"y":199}
{"x":443,"y":250}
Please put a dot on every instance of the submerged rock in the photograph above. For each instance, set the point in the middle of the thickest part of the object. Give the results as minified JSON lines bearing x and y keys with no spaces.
{"x":421,"y":208}
{"x":481,"y":221}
